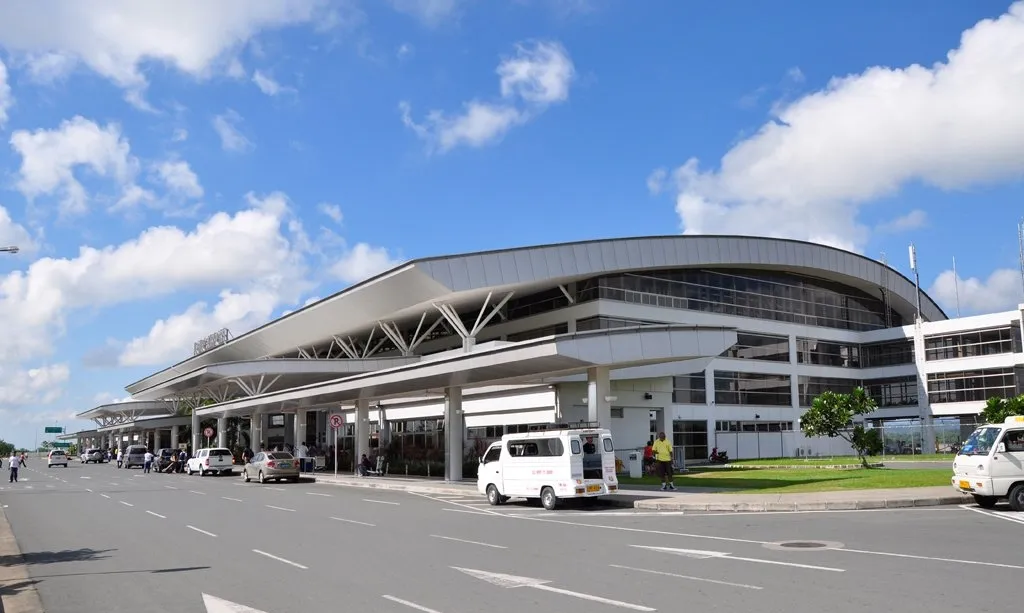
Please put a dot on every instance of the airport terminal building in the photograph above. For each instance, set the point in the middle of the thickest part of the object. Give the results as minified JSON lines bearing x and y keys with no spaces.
{"x":721,"y":341}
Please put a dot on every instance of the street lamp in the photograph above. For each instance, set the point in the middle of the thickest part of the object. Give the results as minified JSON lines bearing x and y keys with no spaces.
{"x":11,"y":249}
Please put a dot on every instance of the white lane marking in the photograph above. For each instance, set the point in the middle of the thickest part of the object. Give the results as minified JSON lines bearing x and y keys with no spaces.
{"x":995,"y":514}
{"x":170,"y":487}
{"x":270,"y":506}
{"x":273,"y":557}
{"x":352,"y":521}
{"x":201,"y":531}
{"x":512,"y":581}
{"x":50,"y":486}
{"x":219,"y":605}
{"x":197,"y":492}
{"x":704,"y":555}
{"x":318,"y":494}
{"x":411,"y":605}
{"x":451,"y":538}
{"x":113,"y":483}
{"x":85,"y":477}
{"x":88,"y":490}
{"x":381,"y":502}
{"x":276,"y":489}
{"x":232,"y":499}
{"x":127,"y":504}
{"x":914,"y":557}
{"x":157,"y":515}
{"x":688,"y":577}
{"x":468,"y":511}
{"x":104,"y":495}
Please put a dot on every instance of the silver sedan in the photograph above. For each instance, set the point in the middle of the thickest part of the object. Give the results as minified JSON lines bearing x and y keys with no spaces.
{"x":271,"y":465}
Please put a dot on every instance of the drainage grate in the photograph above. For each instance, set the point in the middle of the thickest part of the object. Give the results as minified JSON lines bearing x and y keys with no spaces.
{"x":803,"y":545}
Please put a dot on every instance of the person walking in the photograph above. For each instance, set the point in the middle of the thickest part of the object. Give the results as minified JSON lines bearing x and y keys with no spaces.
{"x":147,"y":461}
{"x":663,"y":457}
{"x":120,"y":457}
{"x":14,"y":463}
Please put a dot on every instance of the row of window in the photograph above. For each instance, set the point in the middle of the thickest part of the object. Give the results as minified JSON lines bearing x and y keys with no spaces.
{"x":738,"y":388}
{"x":972,"y":385}
{"x":754,"y":426}
{"x":973,"y":343}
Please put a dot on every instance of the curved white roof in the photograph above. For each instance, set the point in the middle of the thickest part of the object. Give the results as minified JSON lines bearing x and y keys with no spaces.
{"x":409,"y":289}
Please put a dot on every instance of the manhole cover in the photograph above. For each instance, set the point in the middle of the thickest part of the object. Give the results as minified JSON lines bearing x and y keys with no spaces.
{"x":803,"y":545}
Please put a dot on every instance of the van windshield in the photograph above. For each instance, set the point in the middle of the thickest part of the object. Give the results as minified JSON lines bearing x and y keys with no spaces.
{"x":981,"y":441}
{"x":592,"y":458}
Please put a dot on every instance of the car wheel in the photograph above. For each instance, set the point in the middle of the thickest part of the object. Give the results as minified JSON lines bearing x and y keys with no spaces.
{"x":245,"y":476}
{"x":188,"y":470}
{"x":1017,"y":497}
{"x":493,"y":496}
{"x":260,"y":478}
{"x":548,"y":498}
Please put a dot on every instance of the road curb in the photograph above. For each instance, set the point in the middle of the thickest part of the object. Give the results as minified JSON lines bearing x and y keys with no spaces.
{"x":796,"y":466}
{"x":25,"y":598}
{"x":814,"y":505}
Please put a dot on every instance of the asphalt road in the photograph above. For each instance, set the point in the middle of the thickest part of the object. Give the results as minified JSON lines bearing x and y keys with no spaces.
{"x":101,"y":539}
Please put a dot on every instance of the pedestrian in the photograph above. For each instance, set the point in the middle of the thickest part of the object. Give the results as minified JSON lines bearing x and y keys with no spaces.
{"x":663,"y":457}
{"x":147,"y":461}
{"x":120,"y":457}
{"x":14,"y":462}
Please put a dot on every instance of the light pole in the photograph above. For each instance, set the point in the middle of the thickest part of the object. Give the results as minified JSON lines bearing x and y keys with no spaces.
{"x":11,"y":249}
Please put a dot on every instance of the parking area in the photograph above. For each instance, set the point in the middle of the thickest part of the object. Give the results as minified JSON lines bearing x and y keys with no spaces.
{"x":83,"y":528}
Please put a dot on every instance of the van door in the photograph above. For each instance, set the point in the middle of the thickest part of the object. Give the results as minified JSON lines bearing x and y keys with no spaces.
{"x":608,"y":460}
{"x":490,"y":470}
{"x":1008,"y":467}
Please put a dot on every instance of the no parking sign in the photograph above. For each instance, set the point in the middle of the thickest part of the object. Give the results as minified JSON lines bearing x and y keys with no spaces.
{"x":337,"y":420}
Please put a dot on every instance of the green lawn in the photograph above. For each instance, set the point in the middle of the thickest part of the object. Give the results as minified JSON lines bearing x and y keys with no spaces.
{"x":825,"y":461}
{"x":741,"y":480}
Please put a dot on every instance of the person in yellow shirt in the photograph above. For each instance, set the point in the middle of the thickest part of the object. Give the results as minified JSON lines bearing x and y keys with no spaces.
{"x":663,"y":460}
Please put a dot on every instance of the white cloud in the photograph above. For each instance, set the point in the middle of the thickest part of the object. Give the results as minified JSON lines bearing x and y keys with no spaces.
{"x":180,"y":135}
{"x":268,"y":85}
{"x":177,"y":175}
{"x":537,"y":76}
{"x":109,"y":398}
{"x":806,"y":173}
{"x":1001,"y":291}
{"x":656,"y":181}
{"x":114,"y":38}
{"x":6,"y":97}
{"x":911,"y":221}
{"x":362,"y":262}
{"x":226,"y":126}
{"x":13,"y":234}
{"x":430,"y":12}
{"x":32,"y":386}
{"x":331,"y":210}
{"x":405,"y":50}
{"x":49,"y":159}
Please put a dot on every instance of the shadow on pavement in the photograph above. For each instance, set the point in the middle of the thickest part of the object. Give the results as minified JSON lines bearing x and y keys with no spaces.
{"x":10,"y":589}
{"x":183,"y":569}
{"x":54,"y":557}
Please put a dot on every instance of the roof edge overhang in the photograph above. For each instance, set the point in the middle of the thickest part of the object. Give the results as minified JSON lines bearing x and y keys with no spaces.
{"x":145,"y":424}
{"x":152,"y":407}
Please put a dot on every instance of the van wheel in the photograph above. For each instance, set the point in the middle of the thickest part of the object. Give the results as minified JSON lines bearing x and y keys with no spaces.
{"x":985,"y":502}
{"x":1017,"y":497}
{"x":493,"y":496}
{"x":548,"y":498}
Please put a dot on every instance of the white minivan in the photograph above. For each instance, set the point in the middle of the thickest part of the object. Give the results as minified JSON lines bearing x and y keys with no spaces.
{"x":548,"y":465}
{"x":990,"y":465}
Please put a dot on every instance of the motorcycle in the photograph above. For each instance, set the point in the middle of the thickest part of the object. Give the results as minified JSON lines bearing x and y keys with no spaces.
{"x":718,"y":457}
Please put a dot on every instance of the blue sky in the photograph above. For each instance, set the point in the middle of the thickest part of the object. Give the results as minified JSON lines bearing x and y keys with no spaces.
{"x":170,"y":169}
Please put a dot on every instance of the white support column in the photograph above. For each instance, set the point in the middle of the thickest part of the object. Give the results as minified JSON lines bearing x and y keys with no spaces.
{"x":599,"y":390}
{"x":254,"y":430}
{"x":362,"y":433}
{"x":222,"y":431}
{"x":174,"y":437}
{"x":923,"y":402}
{"x":454,"y":434}
{"x":195,"y":432}
{"x":301,"y":417}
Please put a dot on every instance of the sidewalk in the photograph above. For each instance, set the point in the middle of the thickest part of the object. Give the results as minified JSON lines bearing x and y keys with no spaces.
{"x":695,"y":500}
{"x":17,"y":590}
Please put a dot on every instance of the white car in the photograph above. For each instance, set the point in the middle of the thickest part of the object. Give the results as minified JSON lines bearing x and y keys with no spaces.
{"x":216,"y":460}
{"x":56,"y":457}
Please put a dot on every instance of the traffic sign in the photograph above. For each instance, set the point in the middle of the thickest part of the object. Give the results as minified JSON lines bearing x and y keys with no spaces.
{"x":53,"y":430}
{"x":337,"y":420}
{"x":208,"y":432}
{"x":60,"y":445}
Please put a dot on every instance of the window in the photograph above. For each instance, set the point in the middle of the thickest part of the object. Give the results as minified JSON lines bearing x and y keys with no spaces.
{"x":280,"y":455}
{"x":219,"y":453}
{"x":608,"y":445}
{"x":891,"y":353}
{"x":493,"y":455}
{"x":894,"y":391}
{"x":575,"y":445}
{"x":969,"y":344}
{"x":1014,"y":441}
{"x":618,"y":412}
{"x":600,"y":322}
{"x":277,"y":421}
{"x":689,"y":389}
{"x":750,"y":346}
{"x":518,"y":337}
{"x":754,"y":426}
{"x":540,"y":447}
{"x":811,"y":387}
{"x":827,"y":353}
{"x":752,"y":388}
{"x":971,"y":386}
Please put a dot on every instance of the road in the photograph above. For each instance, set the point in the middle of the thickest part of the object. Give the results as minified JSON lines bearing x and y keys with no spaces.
{"x":101,"y":539}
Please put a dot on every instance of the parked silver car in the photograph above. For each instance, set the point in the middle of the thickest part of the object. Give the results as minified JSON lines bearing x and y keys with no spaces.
{"x":94,"y":455}
{"x":271,"y":465}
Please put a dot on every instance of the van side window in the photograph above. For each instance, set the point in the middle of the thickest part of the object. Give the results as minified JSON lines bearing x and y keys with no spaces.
{"x":575,"y":444}
{"x":539,"y":447}
{"x":493,"y":455}
{"x":608,"y":445}
{"x":1014,"y":440}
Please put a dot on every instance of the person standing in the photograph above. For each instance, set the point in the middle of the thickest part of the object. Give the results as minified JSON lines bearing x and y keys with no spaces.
{"x":147,"y":461}
{"x":663,"y":457}
{"x":120,"y":457}
{"x":14,"y":462}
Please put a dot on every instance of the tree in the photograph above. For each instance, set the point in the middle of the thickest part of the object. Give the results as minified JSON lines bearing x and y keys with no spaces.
{"x":6,"y":448}
{"x":998,"y":409}
{"x":832,"y":415}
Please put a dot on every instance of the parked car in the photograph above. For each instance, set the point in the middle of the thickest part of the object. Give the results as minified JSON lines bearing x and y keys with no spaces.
{"x":57,"y":457}
{"x":97,"y":456}
{"x":163,"y":458}
{"x":135,"y":455}
{"x":216,"y":460}
{"x":271,"y":465}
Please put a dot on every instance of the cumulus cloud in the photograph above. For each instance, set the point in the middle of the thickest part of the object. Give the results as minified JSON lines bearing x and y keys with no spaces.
{"x":115,"y":38}
{"x":231,"y":139}
{"x":536,"y":76}
{"x":362,"y":262}
{"x":41,"y":385}
{"x":50,"y":159}
{"x":179,"y":178}
{"x":268,"y":85}
{"x":1001,"y":291}
{"x":911,"y":221}
{"x":331,"y":210}
{"x":6,"y":97}
{"x":806,"y":173}
{"x":13,"y":234}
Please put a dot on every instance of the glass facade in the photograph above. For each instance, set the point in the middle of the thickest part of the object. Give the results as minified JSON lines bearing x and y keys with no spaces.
{"x":971,"y":385}
{"x":689,"y":389}
{"x":601,"y":322}
{"x":888,"y":353}
{"x":754,"y":426}
{"x":827,"y":353}
{"x":778,"y":296}
{"x":973,"y":343}
{"x":752,"y":346}
{"x":538,"y":333}
{"x":811,"y":387}
{"x":691,"y":437}
{"x":894,"y":391}
{"x":744,"y":388}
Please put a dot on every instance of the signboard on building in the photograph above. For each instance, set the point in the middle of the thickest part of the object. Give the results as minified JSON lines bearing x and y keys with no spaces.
{"x":53,"y":430}
{"x":214,"y":340}
{"x":60,"y":445}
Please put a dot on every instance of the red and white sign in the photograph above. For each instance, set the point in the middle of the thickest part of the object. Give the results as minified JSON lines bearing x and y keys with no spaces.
{"x":208,"y":432}
{"x":337,"y":420}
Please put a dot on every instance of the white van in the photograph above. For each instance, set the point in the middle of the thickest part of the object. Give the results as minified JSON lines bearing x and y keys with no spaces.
{"x":990,"y":465}
{"x":559,"y":462}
